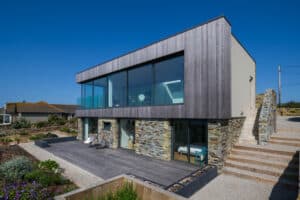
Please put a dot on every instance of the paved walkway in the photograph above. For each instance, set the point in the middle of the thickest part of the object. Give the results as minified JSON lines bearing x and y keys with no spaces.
{"x":226,"y":187}
{"x":77,"y":175}
{"x":107,"y":163}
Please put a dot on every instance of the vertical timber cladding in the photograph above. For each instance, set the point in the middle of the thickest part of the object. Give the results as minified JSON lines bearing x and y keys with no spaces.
{"x":207,"y":68}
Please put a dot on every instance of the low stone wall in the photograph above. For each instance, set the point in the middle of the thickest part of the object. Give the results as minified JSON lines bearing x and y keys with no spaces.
{"x":153,"y":138}
{"x":12,"y":131}
{"x":222,"y":135}
{"x":267,"y":117}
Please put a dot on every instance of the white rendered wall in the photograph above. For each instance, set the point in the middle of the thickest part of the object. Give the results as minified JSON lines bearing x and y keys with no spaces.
{"x":242,"y":90}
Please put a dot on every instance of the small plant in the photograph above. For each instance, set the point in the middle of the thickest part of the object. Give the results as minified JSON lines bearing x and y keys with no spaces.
{"x":49,"y":165}
{"x":126,"y":192}
{"x":5,"y":140}
{"x":42,"y":124}
{"x":16,"y":168}
{"x":17,"y":139}
{"x":42,"y":136}
{"x":23,"y":133}
{"x":45,"y":178}
{"x":56,"y":120}
{"x":21,"y":123}
{"x":2,"y":134}
{"x":68,"y":130}
{"x":24,"y":190}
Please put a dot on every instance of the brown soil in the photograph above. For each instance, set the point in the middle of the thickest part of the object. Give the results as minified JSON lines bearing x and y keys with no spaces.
{"x":8,"y":152}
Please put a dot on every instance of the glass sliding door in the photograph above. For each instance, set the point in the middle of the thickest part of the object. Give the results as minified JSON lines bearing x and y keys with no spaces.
{"x":180,"y":141}
{"x":190,"y":141}
{"x":198,"y":142}
{"x":127,"y":133}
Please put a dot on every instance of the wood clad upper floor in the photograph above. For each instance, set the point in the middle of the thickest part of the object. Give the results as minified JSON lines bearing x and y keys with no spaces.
{"x":207,"y":74}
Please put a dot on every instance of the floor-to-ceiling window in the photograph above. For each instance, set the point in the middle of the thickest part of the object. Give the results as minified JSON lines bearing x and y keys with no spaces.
{"x":190,"y":141}
{"x":169,"y":81}
{"x":140,"y":86}
{"x":100,"y":92}
{"x":127,"y":133}
{"x":117,"y":89}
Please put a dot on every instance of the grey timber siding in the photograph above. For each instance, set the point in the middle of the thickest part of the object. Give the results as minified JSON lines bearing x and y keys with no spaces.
{"x":207,"y":71}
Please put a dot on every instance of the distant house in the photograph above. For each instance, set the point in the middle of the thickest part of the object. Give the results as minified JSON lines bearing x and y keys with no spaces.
{"x":39,"y":111}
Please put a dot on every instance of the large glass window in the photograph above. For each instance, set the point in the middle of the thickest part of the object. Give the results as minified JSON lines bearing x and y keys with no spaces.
{"x":169,"y":79}
{"x":140,"y":86}
{"x":87,"y":95}
{"x":117,"y":89}
{"x":156,"y":83}
{"x":100,"y":92}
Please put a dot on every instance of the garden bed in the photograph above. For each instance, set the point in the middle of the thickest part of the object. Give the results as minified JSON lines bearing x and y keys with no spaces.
{"x":24,"y":176}
{"x":113,"y":187}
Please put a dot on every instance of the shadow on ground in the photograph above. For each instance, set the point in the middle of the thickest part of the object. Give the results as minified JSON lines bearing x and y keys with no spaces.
{"x":282,"y":191}
{"x":294,"y":119}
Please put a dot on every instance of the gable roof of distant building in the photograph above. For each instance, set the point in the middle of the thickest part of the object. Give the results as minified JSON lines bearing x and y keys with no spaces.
{"x":39,"y":107}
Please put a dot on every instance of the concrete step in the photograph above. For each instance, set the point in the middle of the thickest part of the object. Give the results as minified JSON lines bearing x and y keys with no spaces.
{"x":264,"y":155}
{"x":286,"y":139}
{"x":274,"y":141}
{"x":266,"y":149}
{"x":290,"y":174}
{"x":272,"y":180}
{"x":279,"y":164}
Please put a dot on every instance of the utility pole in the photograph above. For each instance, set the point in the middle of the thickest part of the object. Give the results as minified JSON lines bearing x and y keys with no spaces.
{"x":279,"y":87}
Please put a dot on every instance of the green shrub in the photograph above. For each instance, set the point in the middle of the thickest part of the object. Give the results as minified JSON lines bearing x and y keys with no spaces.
{"x":56,"y":120}
{"x":16,"y":168}
{"x":49,"y":165}
{"x":42,"y":124}
{"x":21,"y":123}
{"x":67,"y":130}
{"x":42,"y":136}
{"x":45,"y":178}
{"x":24,"y":133}
{"x":126,"y":192}
{"x":5,"y":140}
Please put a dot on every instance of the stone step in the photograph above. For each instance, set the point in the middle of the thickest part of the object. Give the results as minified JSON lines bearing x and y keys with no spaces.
{"x":279,"y":164}
{"x":264,"y":155}
{"x":265,"y":149}
{"x":260,"y":177}
{"x":291,"y":174}
{"x":273,"y":141}
{"x":286,"y":139}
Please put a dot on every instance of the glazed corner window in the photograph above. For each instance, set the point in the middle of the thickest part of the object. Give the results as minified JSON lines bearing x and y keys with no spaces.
{"x":117,"y":89}
{"x":87,"y":95}
{"x":169,"y":79}
{"x":140,"y":86}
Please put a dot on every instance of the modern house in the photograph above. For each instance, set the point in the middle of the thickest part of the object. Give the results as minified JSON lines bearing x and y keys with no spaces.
{"x":181,"y":98}
{"x":39,"y":111}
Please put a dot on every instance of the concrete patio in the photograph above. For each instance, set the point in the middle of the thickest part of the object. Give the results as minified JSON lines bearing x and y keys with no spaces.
{"x":107,"y":163}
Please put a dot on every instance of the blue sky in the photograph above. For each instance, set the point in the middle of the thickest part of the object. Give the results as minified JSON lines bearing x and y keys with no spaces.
{"x":43,"y":44}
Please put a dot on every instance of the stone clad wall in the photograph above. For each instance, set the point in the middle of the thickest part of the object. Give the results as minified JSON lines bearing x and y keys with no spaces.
{"x":222,"y":135}
{"x":80,"y":129}
{"x":153,"y":138}
{"x":110,"y":136}
{"x":267,"y":117}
